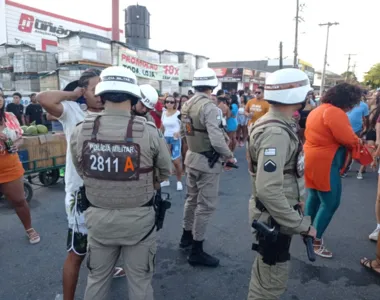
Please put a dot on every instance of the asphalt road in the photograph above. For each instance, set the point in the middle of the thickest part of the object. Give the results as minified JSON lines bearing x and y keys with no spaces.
{"x":34,"y":272}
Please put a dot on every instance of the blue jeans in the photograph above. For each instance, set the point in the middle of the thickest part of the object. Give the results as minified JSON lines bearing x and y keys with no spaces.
{"x":175,"y":145}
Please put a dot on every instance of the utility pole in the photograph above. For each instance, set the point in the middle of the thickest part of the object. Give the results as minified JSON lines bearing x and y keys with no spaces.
{"x":281,"y":65}
{"x":354,"y":68}
{"x":329,"y":24}
{"x":295,"y":62}
{"x":348,"y":65}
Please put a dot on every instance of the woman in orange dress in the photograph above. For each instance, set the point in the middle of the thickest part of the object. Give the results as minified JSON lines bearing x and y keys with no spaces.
{"x":328,"y":135}
{"x":11,"y":170}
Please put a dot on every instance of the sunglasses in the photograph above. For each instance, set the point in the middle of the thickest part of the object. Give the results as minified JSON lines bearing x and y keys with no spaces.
{"x":257,"y":93}
{"x":169,"y":102}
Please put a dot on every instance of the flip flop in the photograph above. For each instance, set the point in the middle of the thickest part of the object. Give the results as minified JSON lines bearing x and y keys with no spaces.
{"x":33,"y":236}
{"x":367,"y":263}
{"x":119,"y":272}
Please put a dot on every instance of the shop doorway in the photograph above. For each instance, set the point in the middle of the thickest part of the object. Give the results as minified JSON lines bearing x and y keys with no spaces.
{"x":228,"y":86}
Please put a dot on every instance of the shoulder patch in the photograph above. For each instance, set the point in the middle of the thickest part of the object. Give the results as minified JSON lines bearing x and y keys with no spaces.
{"x":276,"y":130}
{"x":270,"y":166}
{"x":270,"y":152}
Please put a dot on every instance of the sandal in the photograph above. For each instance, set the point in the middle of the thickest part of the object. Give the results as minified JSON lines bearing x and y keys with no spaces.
{"x":33,"y":236}
{"x":320,"y":249}
{"x":368,"y":264}
{"x":119,"y":272}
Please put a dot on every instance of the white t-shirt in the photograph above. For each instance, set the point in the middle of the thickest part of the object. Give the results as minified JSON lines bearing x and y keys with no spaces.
{"x":171,"y":124}
{"x":71,"y":116}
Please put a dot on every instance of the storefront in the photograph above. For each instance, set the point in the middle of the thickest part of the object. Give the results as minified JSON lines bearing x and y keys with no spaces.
{"x":21,"y":24}
{"x":230,"y":78}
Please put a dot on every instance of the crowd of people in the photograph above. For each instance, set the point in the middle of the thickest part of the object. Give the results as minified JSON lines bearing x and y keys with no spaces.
{"x":330,"y":130}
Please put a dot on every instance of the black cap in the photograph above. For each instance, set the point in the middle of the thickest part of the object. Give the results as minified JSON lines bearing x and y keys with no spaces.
{"x":71,"y":86}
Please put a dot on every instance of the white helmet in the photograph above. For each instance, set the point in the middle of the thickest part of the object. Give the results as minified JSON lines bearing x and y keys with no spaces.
{"x":149,"y":95}
{"x":118,"y":80}
{"x":287,"y":86}
{"x":205,"y":77}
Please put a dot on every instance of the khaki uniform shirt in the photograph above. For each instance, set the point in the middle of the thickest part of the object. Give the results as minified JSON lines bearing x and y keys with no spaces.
{"x":275,"y":151}
{"x":211,"y":119}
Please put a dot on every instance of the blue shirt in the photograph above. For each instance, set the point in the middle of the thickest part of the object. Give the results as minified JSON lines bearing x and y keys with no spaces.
{"x":232,"y":121}
{"x":356,"y":116}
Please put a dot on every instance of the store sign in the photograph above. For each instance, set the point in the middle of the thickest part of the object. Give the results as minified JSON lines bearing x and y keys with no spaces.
{"x":144,"y":69}
{"x":29,"y":24}
{"x":248,"y":72}
{"x":229,"y":74}
{"x":230,"y":79}
{"x":39,"y":29}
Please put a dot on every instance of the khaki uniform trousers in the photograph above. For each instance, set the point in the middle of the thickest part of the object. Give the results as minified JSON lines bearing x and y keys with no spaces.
{"x":201,"y":201}
{"x":268,"y":282}
{"x":103,"y":253}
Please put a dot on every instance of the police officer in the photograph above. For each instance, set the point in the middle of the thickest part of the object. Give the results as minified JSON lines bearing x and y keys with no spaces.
{"x":276,"y":165}
{"x":115,"y":154}
{"x":201,"y":124}
{"x":149,"y":98}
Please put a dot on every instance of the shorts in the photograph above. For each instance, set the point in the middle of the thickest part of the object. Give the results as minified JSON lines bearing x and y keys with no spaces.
{"x":175,"y":145}
{"x":76,"y":204}
{"x":242,"y":120}
{"x":371,"y":135}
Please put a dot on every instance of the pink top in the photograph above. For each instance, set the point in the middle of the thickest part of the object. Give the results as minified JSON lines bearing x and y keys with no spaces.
{"x":12,"y":129}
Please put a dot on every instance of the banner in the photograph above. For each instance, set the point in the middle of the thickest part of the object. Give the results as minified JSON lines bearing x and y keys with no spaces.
{"x":144,"y":69}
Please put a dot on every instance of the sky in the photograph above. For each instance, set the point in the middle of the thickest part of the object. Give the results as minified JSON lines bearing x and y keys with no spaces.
{"x":248,"y":29}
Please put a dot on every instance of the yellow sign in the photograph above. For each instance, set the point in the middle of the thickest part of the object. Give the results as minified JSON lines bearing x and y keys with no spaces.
{"x":304,"y":63}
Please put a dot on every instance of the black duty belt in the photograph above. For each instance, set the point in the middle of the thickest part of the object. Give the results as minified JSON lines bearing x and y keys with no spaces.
{"x":208,"y":154}
{"x":260,"y":206}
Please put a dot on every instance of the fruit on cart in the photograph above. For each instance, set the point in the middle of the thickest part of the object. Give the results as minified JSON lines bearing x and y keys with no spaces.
{"x":24,"y":128}
{"x":31,"y":130}
{"x":42,"y":129}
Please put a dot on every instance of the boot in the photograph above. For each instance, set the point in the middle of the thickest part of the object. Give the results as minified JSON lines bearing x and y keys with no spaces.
{"x":201,"y":258}
{"x":186,"y":239}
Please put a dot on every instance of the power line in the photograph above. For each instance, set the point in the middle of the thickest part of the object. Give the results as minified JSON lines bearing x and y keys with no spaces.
{"x":329,"y":24}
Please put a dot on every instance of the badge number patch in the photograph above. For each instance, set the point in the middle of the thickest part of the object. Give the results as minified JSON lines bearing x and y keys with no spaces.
{"x":270,"y":152}
{"x":270,"y":166}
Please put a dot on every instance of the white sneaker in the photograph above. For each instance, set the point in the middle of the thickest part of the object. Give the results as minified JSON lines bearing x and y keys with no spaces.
{"x":359,"y":175}
{"x":374,"y":235}
{"x":179,"y":186}
{"x":165,"y":183}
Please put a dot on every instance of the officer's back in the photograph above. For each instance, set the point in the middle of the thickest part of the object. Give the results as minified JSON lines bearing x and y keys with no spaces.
{"x":115,"y":153}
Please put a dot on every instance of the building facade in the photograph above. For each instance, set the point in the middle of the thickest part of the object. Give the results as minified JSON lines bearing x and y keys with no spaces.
{"x":21,"y":24}
{"x":269,"y":66}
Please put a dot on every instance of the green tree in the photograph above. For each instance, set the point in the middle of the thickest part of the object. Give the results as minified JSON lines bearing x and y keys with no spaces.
{"x":351,"y":77}
{"x":372,"y":77}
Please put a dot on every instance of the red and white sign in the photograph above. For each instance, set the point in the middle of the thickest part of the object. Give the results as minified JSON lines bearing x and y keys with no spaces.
{"x":40,"y":29}
{"x":145,"y":69}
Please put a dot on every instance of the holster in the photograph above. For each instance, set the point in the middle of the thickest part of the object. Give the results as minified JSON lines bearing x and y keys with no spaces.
{"x":273,"y":251}
{"x":160,"y":207}
{"x":212,"y":157}
{"x":81,"y":196}
{"x":273,"y":248}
